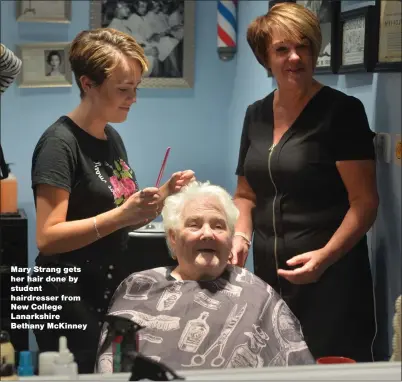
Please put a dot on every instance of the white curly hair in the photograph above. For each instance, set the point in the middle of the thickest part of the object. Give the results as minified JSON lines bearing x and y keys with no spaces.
{"x":174,"y":204}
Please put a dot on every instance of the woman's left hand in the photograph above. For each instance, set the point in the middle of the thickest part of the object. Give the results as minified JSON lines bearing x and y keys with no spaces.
{"x":178,"y":180}
{"x":313,"y":265}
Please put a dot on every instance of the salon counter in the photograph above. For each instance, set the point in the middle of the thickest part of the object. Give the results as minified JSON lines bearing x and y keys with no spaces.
{"x":380,"y":371}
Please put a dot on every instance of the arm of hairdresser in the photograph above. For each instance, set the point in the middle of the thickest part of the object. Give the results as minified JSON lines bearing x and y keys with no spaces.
{"x":10,"y":66}
{"x":53,"y":174}
{"x":244,"y":200}
{"x":56,"y":235}
{"x":55,"y":166}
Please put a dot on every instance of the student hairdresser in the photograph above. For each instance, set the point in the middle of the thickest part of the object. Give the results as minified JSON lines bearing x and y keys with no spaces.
{"x":86,"y":194}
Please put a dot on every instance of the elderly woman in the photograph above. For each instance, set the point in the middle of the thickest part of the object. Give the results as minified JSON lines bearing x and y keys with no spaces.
{"x":307,"y":189}
{"x":205,"y":313}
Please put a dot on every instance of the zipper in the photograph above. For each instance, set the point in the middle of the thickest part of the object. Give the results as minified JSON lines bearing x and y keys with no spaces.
{"x":271,"y":149}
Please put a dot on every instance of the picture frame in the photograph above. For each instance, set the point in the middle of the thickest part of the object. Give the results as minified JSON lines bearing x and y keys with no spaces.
{"x":271,"y":3}
{"x":387,"y":36}
{"x":349,"y":5}
{"x":43,"y":11}
{"x":171,"y":55}
{"x":356,"y":50}
{"x":44,"y":65}
{"x":328,"y":12}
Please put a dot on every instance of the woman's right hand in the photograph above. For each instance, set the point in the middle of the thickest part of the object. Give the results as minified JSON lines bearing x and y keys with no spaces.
{"x":141,"y":207}
{"x":239,"y":251}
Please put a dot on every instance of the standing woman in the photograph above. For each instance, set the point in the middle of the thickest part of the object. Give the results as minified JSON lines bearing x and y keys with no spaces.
{"x":86,"y":194}
{"x":307,"y":189}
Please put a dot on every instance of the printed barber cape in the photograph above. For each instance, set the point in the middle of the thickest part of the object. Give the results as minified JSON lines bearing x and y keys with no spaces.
{"x":234,"y":321}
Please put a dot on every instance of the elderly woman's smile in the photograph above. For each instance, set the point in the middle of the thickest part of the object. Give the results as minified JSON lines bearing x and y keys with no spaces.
{"x":202,"y":242}
{"x":200,"y":227}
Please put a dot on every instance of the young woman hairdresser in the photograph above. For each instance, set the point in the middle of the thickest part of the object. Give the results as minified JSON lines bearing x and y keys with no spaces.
{"x":86,"y":194}
{"x":307,"y":189}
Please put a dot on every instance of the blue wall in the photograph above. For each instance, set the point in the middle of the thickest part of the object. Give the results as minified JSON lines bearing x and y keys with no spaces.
{"x":202,"y":125}
{"x":381,"y":96}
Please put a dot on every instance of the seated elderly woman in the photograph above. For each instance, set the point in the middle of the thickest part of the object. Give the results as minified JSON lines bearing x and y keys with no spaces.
{"x":206,"y":313}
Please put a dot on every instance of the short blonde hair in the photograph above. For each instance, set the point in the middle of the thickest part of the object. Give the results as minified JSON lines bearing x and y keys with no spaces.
{"x":293,"y":20}
{"x":96,"y":53}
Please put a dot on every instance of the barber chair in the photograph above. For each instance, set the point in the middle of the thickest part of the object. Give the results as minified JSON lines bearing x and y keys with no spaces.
{"x":147,"y":248}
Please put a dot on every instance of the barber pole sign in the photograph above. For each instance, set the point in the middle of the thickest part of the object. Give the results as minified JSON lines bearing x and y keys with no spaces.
{"x":227,"y":29}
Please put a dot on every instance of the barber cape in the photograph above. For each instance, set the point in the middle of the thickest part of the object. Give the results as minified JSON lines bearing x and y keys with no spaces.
{"x":234,"y":321}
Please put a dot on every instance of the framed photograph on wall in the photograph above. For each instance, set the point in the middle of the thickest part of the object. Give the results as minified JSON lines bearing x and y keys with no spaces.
{"x":388,"y":36}
{"x":44,"y":65}
{"x":356,"y":40}
{"x":349,"y":5}
{"x":165,"y":29}
{"x":44,"y":11}
{"x":327,"y":12}
{"x":271,"y":3}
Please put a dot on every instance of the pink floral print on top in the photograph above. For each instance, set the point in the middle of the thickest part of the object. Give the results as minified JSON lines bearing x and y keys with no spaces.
{"x":122,"y":182}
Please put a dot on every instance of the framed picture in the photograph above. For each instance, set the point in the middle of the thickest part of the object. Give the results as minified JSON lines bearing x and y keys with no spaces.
{"x":44,"y":11}
{"x":356,"y":40}
{"x":44,"y":65}
{"x":327,"y":12}
{"x":271,"y":3}
{"x":349,"y":5}
{"x":165,"y":29}
{"x":388,"y":48}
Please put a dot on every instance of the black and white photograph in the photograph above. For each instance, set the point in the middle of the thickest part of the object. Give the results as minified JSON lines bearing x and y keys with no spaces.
{"x":353,"y":41}
{"x":323,"y":10}
{"x":357,"y":40}
{"x":157,"y":25}
{"x":54,"y":63}
{"x":44,"y":65}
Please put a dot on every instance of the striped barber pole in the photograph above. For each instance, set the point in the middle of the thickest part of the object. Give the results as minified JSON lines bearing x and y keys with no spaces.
{"x":227,"y":28}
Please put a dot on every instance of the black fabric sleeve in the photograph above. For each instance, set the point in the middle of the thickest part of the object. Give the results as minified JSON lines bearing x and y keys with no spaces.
{"x":54,"y":164}
{"x":352,"y":138}
{"x":244,"y":144}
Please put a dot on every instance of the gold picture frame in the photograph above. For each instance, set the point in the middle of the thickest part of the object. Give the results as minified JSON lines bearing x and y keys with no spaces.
{"x":44,"y":11}
{"x":44,"y":65}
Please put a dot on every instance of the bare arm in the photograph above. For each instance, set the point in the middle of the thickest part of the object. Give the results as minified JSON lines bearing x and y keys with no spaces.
{"x":55,"y":235}
{"x":244,"y":200}
{"x":359,"y":178}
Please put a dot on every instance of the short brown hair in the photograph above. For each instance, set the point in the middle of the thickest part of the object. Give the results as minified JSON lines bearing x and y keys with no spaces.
{"x":293,"y":20}
{"x":96,"y":53}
